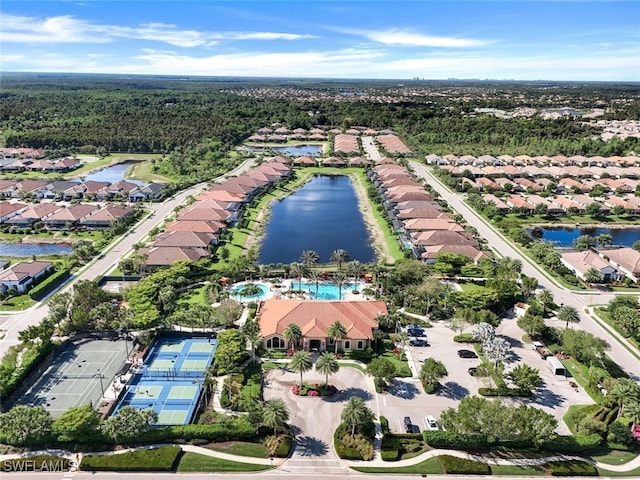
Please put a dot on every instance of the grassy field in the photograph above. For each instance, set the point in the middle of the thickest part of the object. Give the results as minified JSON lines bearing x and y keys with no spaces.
{"x":21,"y":302}
{"x":470,"y":287}
{"x":244,"y":449}
{"x":195,"y":462}
{"x":431,"y":466}
{"x":196,"y":295}
{"x":144,"y":171}
{"x":615,"y":457}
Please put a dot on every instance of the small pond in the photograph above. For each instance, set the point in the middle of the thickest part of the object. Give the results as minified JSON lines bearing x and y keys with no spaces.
{"x":29,"y":249}
{"x":564,"y":236}
{"x":113,"y":174}
{"x":292,"y":150}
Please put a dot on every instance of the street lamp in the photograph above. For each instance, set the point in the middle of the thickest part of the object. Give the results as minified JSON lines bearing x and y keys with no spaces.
{"x":99,"y":374}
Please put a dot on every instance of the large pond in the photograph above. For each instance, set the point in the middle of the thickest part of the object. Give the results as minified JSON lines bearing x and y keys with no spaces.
{"x":29,"y":249}
{"x":323,"y":215}
{"x":293,"y":150}
{"x":113,"y":174}
{"x":564,"y":236}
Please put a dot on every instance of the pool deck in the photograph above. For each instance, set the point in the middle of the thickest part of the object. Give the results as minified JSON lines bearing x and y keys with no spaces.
{"x":284,"y":290}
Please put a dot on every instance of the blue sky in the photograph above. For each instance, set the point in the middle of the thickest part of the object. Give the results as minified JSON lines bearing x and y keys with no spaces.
{"x":551,"y":40}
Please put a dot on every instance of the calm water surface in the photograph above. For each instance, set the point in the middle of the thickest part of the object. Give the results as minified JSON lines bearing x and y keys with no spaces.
{"x":322,"y":215}
{"x":564,"y":236}
{"x":113,"y":174}
{"x":28,"y":249}
{"x":294,"y":150}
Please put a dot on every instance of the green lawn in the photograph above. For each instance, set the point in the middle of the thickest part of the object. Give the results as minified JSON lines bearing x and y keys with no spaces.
{"x":21,"y":302}
{"x":244,"y":449}
{"x":196,"y":295}
{"x":144,"y":171}
{"x":251,"y":390}
{"x":195,"y":462}
{"x":431,"y":466}
{"x":615,"y":457}
{"x":605,"y":317}
{"x":344,"y":364}
{"x":470,"y":287}
{"x":516,"y":470}
{"x":635,"y":473}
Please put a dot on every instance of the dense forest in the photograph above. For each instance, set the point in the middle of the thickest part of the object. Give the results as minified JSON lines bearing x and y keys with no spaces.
{"x":195,"y":118}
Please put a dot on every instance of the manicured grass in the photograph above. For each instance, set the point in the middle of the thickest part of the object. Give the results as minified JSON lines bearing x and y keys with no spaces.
{"x":195,"y":462}
{"x":431,"y":466}
{"x":344,"y":364}
{"x":516,"y":470}
{"x":88,"y":167}
{"x":615,"y":457}
{"x":144,"y":171}
{"x":635,"y":473}
{"x":579,"y":373}
{"x":21,"y":302}
{"x":251,"y":389}
{"x":567,"y":416}
{"x":606,"y":317}
{"x":193,"y":296}
{"x":244,"y":449}
{"x":470,"y":287}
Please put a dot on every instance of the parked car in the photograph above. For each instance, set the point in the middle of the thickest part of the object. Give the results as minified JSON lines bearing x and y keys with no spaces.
{"x":416,"y":332}
{"x":418,"y":342}
{"x":431,"y":424}
{"x":467,"y":354}
{"x":408,"y":425}
{"x":472,"y":371}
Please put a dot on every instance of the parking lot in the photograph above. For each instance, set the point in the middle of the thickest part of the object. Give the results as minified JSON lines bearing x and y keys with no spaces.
{"x":407,"y":398}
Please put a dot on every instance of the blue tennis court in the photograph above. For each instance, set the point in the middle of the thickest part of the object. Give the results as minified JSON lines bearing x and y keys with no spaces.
{"x":170,"y":381}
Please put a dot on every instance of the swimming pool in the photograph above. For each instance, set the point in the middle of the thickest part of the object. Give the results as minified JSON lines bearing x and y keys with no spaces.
{"x":264,"y":289}
{"x":326,"y":291}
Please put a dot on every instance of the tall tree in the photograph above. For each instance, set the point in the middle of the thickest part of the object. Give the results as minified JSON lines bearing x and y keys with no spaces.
{"x":297,"y":270}
{"x":525,"y":377}
{"x":327,"y":365}
{"x":497,"y":350}
{"x":568,"y":314}
{"x":275,"y":413}
{"x":533,"y":325}
{"x":77,"y":424}
{"x":23,"y":424}
{"x":382,"y":370}
{"x":301,"y":362}
{"x":432,"y":371}
{"x":292,"y":334}
{"x":336,"y":331}
{"x":339,"y":257}
{"x":355,"y":413}
{"x":546,"y":299}
{"x":309,"y":258}
{"x":128,"y":422}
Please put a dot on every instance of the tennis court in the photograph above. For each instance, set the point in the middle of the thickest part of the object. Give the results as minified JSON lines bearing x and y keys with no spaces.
{"x":170,"y":381}
{"x":78,"y":375}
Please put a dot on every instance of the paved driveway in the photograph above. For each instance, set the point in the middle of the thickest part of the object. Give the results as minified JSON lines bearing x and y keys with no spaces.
{"x":315,"y":419}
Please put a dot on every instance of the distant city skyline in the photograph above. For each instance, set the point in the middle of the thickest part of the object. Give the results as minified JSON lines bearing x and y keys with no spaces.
{"x":516,"y":40}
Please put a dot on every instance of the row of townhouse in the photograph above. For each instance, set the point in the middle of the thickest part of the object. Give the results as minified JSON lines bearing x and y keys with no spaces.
{"x":612,"y":264}
{"x":68,"y":190}
{"x":22,"y":275}
{"x":54,"y":216}
{"x":526,"y":160}
{"x":11,"y":164}
{"x":197,"y":228}
{"x":562,"y":204}
{"x":418,"y":219}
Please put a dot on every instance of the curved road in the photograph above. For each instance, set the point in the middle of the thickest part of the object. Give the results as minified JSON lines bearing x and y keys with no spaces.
{"x":618,"y":353}
{"x":12,"y":323}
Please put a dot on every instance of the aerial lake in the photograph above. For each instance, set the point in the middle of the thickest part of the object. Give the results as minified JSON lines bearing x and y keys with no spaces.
{"x":293,"y":150}
{"x":29,"y":249}
{"x":323,"y":215}
{"x":113,"y":174}
{"x":564,"y":236}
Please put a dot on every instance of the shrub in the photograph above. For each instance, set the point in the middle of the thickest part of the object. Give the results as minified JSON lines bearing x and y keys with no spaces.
{"x":620,"y":432}
{"x":234,"y":428}
{"x":463,"y":466}
{"x":504,"y":392}
{"x":390,"y":448}
{"x":458,"y":441}
{"x":466,"y":338}
{"x":359,"y":447}
{"x":572,"y":444}
{"x":384,"y":424}
{"x":571,"y":468}
{"x":42,"y":289}
{"x":154,"y":460}
{"x":284,"y":447}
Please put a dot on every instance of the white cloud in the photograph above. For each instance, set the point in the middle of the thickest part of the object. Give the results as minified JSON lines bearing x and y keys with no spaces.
{"x":407,"y":38}
{"x":68,"y":29}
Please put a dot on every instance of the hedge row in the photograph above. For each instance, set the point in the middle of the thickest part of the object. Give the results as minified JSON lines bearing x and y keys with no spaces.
{"x":572,"y":444}
{"x":504,"y":392}
{"x":390,"y":451}
{"x":571,"y":468}
{"x":30,"y":363}
{"x":41,"y":290}
{"x":216,"y":432}
{"x":163,"y":459}
{"x":466,"y":338}
{"x":457,"y":441}
{"x":284,"y":447}
{"x":463,"y":466}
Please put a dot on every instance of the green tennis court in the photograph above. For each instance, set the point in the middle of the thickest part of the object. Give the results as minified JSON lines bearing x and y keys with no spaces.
{"x":182,"y":392}
{"x":162,"y":364}
{"x":201,"y":348}
{"x":171,"y":348}
{"x":148,"y":392}
{"x":195,"y":364}
{"x":173,"y":417}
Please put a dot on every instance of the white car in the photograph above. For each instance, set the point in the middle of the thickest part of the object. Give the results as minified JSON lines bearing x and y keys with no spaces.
{"x":431,"y":424}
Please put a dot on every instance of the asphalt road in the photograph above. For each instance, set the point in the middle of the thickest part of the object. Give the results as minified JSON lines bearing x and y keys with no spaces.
{"x":561,"y":295}
{"x":13,"y":323}
{"x":269,"y":475}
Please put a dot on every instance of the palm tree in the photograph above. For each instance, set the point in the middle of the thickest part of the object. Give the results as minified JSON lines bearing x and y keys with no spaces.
{"x":568,"y":314}
{"x":355,"y":413}
{"x":339,"y":256}
{"x":327,"y":364}
{"x":336,"y":331}
{"x":315,"y":278}
{"x":632,"y":411}
{"x":625,"y":393}
{"x":592,"y":276}
{"x":309,"y":258}
{"x":355,"y":268}
{"x":297,"y":270}
{"x":292,"y":334}
{"x":301,"y":362}
{"x":275,"y":413}
{"x":546,"y":299}
{"x":340,"y":278}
